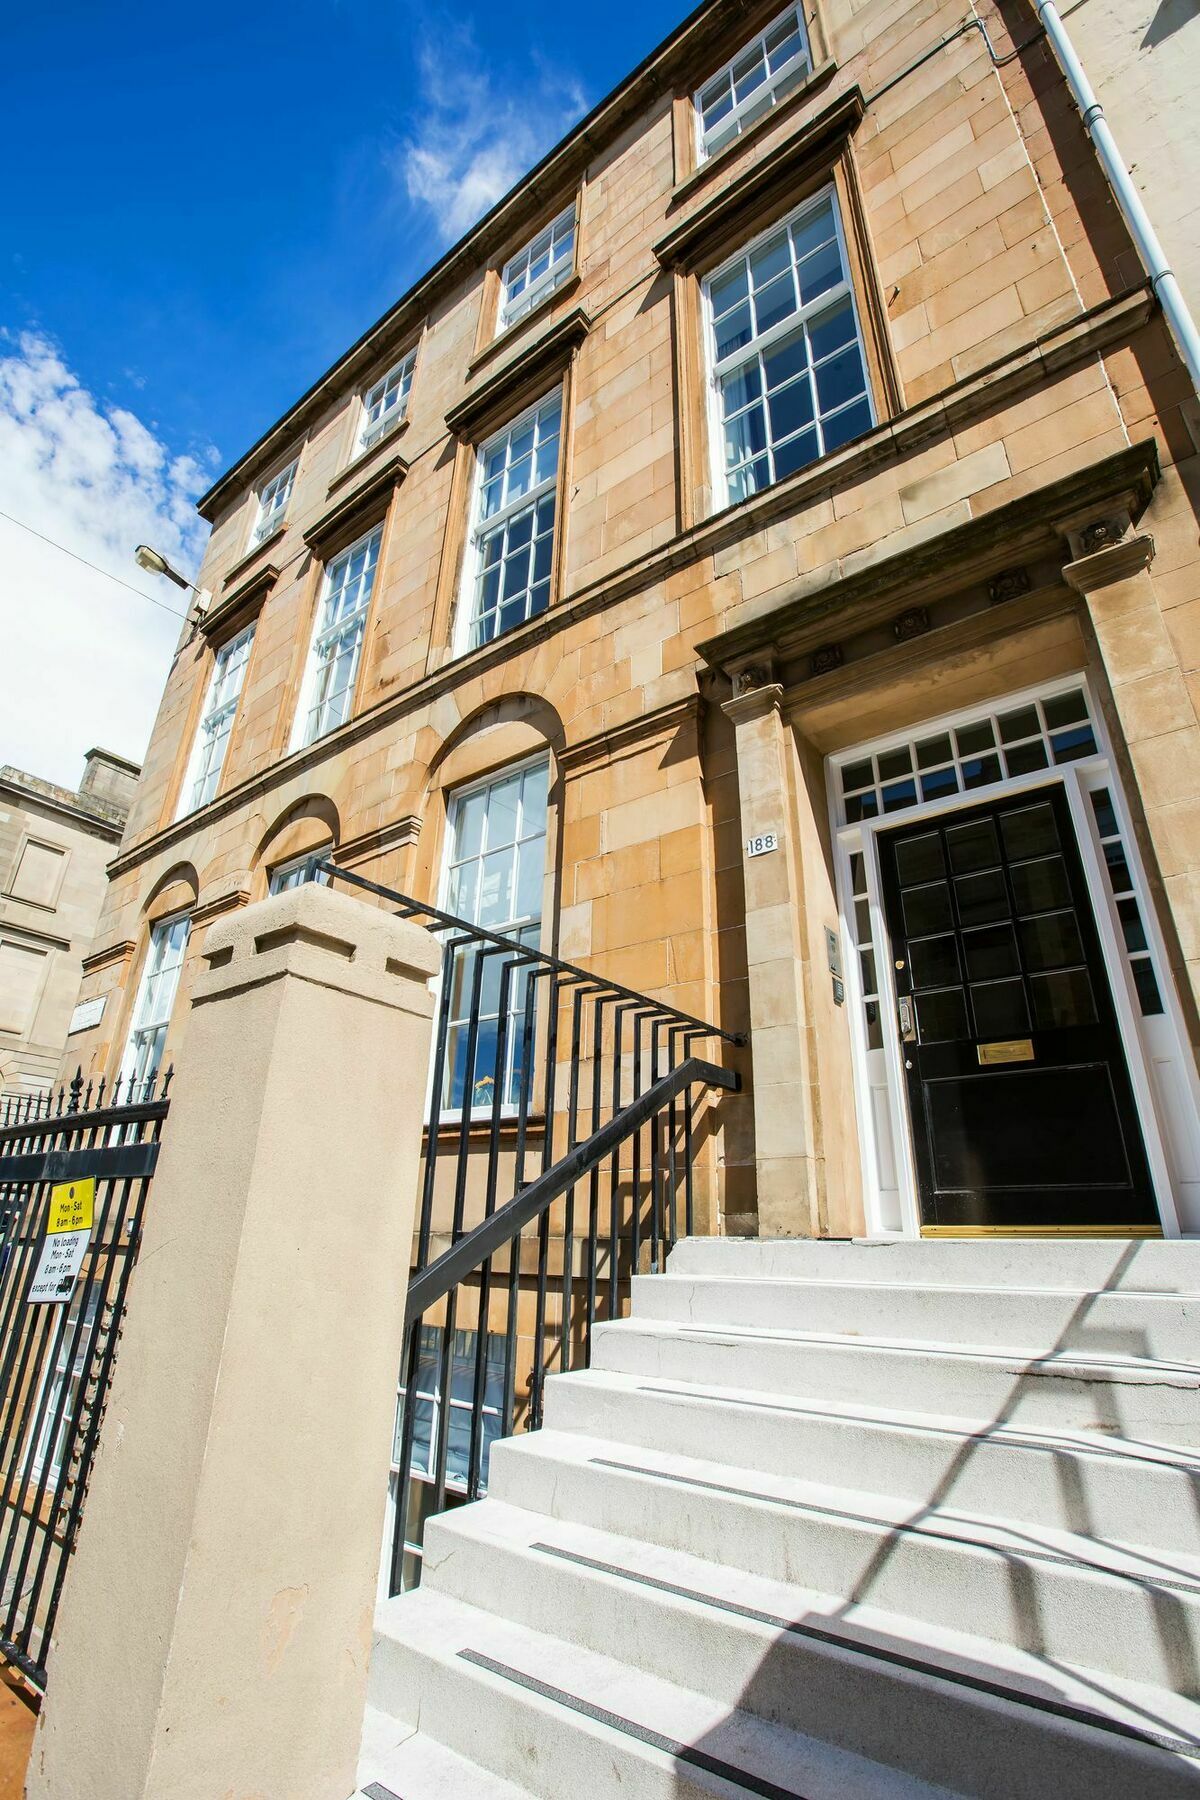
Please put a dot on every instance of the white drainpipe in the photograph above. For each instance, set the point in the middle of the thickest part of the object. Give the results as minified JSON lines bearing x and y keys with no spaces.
{"x":1183,"y":326}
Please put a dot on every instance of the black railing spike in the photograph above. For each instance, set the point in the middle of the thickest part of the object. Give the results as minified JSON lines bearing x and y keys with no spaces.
{"x":62,"y":1100}
{"x":167,"y":1079}
{"x":76,"y":1089}
{"x":87,"y":1096}
{"x":100,"y":1092}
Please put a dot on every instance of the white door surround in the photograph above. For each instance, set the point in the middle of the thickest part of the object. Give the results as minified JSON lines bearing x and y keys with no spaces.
{"x":870,"y":792}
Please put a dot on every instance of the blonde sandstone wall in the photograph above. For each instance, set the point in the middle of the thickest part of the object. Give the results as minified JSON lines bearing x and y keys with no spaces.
{"x":998,"y":266}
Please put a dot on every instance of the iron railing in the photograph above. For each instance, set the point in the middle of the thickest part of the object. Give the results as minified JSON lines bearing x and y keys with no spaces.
{"x":566,"y":1115}
{"x":94,"y":1149}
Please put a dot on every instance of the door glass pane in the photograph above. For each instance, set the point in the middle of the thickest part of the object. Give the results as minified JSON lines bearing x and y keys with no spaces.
{"x":973,"y":846}
{"x":1038,"y":886}
{"x":981,"y":898}
{"x":1025,"y":758}
{"x":1051,"y":942}
{"x":1062,"y":1000}
{"x":991,"y":952}
{"x":934,"y":962}
{"x":1023,"y":723}
{"x":927,"y":909}
{"x":920,"y":859}
{"x":1030,"y":832}
{"x":1000,"y":1009}
{"x":942,"y":1016}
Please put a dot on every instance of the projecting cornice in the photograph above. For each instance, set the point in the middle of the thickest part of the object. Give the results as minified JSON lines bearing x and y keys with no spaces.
{"x":1014,"y":533}
{"x":357,"y":510}
{"x":778,"y":179}
{"x":520,"y":380}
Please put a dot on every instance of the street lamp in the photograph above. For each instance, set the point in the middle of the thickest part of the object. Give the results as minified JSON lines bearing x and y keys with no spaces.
{"x":155,"y":563}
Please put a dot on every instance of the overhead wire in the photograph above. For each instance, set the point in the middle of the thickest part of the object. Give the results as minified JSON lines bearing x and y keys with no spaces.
{"x":95,"y":567}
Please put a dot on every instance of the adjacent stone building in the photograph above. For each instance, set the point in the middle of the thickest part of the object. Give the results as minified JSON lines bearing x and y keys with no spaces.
{"x":762,"y":559}
{"x":54,"y":845}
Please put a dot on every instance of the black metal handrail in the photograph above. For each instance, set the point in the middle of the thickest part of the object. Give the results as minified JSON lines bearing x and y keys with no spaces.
{"x":564,"y":1127}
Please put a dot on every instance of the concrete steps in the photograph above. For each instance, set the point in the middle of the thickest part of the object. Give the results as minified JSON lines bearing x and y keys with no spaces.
{"x":831,"y":1519}
{"x":1088,"y":1482}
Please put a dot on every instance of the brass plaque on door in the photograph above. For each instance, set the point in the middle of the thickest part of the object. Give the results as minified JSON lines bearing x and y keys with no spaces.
{"x":1012,"y":1050}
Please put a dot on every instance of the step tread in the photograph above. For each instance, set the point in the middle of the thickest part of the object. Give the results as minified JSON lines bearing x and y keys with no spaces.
{"x":1072,"y":1440}
{"x":1134,"y":1370}
{"x":767,"y":1606}
{"x":1019,"y":1291}
{"x":946,"y":1525}
{"x":648,"y":1716}
{"x":417,"y":1767}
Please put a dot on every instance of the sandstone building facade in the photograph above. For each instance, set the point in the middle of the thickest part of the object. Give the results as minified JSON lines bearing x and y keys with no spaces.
{"x":760,"y":562}
{"x":54,"y":845}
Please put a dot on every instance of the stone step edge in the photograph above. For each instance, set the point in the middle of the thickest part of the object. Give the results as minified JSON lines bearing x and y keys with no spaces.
{"x":859,"y":1644}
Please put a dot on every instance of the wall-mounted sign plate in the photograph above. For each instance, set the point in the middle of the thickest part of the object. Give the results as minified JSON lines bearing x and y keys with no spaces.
{"x":87,"y":1014}
{"x":763,"y":844}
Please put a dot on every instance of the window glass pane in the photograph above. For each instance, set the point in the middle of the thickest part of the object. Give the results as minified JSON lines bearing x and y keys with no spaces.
{"x":1026,"y":758}
{"x":1051,"y":942}
{"x":934,"y":961}
{"x":991,"y":951}
{"x":942,"y":1017}
{"x":1062,"y":1000}
{"x":1065,"y":709}
{"x":1040,"y":886}
{"x":1030,"y":832}
{"x":972,"y":846}
{"x":1020,"y":724}
{"x":1149,"y":998}
{"x":920,"y":859}
{"x":1000,"y":1009}
{"x":757,"y":78}
{"x":927,"y":909}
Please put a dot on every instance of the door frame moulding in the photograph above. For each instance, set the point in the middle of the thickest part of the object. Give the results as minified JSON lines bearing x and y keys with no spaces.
{"x":893,"y":1211}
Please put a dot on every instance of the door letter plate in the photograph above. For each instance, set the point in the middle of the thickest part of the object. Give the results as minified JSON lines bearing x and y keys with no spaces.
{"x":1012,"y":1050}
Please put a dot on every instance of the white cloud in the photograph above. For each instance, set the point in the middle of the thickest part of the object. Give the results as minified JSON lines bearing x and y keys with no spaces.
{"x":478,"y":134}
{"x":83,"y":661}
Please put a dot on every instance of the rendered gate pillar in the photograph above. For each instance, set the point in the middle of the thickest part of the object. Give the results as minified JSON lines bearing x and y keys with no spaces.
{"x":785,"y":1097}
{"x":216,"y":1621}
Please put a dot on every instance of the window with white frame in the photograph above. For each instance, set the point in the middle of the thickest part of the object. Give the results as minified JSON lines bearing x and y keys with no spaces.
{"x":273,"y":500}
{"x":789,"y":372}
{"x":300,"y":871}
{"x":538,"y":269}
{"x":495,"y":866}
{"x":337,"y":639}
{"x":762,"y":74}
{"x":427,"y":1410}
{"x":385,"y":403}
{"x":154,"y":1003}
{"x":58,"y":1402}
{"x":512,"y":541}
{"x":216,"y":722}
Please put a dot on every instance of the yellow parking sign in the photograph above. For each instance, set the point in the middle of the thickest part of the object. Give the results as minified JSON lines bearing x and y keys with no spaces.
{"x":72,"y":1204}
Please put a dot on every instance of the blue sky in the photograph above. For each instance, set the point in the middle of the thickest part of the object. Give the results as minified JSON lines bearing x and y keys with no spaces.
{"x":204,"y":207}
{"x":213,"y":202}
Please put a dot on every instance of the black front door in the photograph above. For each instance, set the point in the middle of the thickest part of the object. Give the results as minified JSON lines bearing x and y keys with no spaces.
{"x":1021,"y":1106}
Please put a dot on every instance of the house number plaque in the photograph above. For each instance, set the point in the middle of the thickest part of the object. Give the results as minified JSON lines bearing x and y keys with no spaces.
{"x":763,"y":844}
